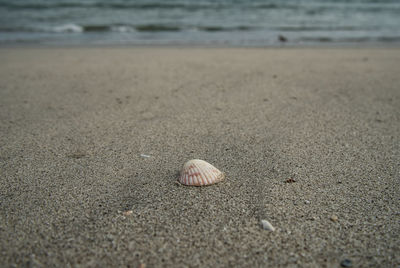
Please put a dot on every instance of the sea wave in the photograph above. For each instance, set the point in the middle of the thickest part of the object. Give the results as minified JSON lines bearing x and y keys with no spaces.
{"x":362,"y":39}
{"x":230,"y":21}
{"x":76,"y":28}
{"x":310,"y":8}
{"x":188,"y":6}
{"x":124,"y":28}
{"x":225,"y":29}
{"x":301,"y":28}
{"x":115,"y":5}
{"x":68,"y":28}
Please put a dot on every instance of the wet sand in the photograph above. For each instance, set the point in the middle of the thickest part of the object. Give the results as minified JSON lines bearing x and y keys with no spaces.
{"x":75,"y":123}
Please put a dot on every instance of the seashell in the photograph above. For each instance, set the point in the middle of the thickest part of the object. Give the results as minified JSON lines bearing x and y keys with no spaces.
{"x":266,"y":225}
{"x":197,"y":172}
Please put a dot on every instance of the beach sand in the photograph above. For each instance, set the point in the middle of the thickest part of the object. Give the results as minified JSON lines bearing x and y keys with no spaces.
{"x":77,"y":125}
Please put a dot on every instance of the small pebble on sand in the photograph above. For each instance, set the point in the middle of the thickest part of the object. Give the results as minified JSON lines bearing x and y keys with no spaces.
{"x":334,"y":218}
{"x":346,"y":263}
{"x":266,"y":225}
{"x":127,"y":213}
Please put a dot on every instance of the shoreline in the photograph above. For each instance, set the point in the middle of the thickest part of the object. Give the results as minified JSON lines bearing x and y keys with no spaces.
{"x":322,"y":45}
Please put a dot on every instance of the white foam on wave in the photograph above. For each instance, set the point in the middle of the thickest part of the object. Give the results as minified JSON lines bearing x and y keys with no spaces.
{"x":122,"y":29}
{"x":68,"y":28}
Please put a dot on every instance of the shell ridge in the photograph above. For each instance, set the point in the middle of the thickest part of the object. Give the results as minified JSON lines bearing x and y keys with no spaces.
{"x":214,"y":172}
{"x":208,"y":171}
{"x":209,"y":175}
{"x":194,"y":174}
{"x":190,"y":170}
{"x":191,"y":174}
{"x":190,"y":179}
{"x":199,"y":180}
{"x":195,"y":179}
{"x":204,"y":177}
{"x":219,"y":175}
{"x":203,"y":181}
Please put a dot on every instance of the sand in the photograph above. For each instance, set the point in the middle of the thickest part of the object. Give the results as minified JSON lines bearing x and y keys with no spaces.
{"x":74,"y":123}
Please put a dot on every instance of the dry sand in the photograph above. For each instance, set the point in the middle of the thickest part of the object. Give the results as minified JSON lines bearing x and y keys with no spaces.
{"x":75,"y":121}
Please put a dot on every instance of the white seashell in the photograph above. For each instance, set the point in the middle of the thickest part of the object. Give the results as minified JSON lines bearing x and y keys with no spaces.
{"x":267,"y":226}
{"x":197,"y":172}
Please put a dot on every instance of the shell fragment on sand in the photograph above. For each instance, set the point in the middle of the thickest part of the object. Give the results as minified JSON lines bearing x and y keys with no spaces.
{"x":334,"y":218}
{"x":266,"y":225}
{"x":197,"y":172}
{"x":127,"y":213}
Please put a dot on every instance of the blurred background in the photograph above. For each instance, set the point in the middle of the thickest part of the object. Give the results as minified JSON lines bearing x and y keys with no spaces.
{"x":199,"y":22}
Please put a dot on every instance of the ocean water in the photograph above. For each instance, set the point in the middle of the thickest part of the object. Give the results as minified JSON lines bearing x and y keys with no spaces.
{"x":199,"y":22}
